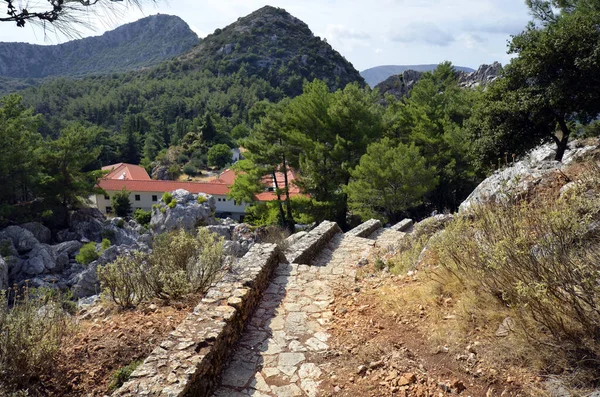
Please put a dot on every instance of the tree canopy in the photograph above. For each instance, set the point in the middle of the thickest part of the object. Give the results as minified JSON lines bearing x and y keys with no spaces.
{"x":550,"y":85}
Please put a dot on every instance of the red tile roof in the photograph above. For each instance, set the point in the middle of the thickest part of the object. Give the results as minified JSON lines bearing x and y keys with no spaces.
{"x":123,"y":171}
{"x":163,"y":186}
{"x":135,"y":179}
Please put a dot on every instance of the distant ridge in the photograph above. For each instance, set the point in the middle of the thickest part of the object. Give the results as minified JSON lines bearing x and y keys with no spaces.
{"x":143,"y":43}
{"x":377,"y":74}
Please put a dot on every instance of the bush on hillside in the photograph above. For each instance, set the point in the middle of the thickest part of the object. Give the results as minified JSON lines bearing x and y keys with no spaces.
{"x":167,"y":197}
{"x":122,"y":280}
{"x":32,"y":329}
{"x":87,"y":254}
{"x":180,"y":263}
{"x":120,"y":376}
{"x":540,"y":257}
{"x":142,"y":217}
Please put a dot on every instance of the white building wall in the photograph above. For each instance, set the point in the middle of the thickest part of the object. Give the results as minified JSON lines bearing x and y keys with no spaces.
{"x":146,"y":200}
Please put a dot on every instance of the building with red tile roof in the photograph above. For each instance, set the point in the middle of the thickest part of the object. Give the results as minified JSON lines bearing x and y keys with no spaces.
{"x":145,"y":192}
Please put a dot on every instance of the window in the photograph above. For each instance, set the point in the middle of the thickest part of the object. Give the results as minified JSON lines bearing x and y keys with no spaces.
{"x":137,"y":197}
{"x":109,"y":210}
{"x":106,"y":197}
{"x":219,"y":199}
{"x":154,"y":198}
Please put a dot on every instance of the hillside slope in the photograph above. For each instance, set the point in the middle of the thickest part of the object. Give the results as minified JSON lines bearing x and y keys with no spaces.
{"x":266,"y":55}
{"x":143,"y":43}
{"x":377,"y":74}
{"x":274,"y":45}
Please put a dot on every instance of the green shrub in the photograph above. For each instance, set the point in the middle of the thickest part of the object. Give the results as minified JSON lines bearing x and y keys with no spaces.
{"x":190,"y":169}
{"x":142,"y":217}
{"x":105,"y":243}
{"x":182,"y":159}
{"x":87,"y":254}
{"x":163,"y":210}
{"x":122,"y":280}
{"x":167,"y":197}
{"x":33,"y":327}
{"x":121,"y":204}
{"x":202,"y":199}
{"x":121,"y":223}
{"x":120,"y":376}
{"x":172,"y":203}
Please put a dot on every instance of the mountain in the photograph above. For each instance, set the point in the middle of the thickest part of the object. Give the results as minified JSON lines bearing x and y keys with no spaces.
{"x":401,"y":84}
{"x":143,"y":43}
{"x":377,"y":74}
{"x":274,"y":45}
{"x":265,"y":55}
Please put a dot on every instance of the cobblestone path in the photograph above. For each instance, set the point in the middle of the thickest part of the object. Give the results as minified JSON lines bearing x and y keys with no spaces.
{"x":283,"y":343}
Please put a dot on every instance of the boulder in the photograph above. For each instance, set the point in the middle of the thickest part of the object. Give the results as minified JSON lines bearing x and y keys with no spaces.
{"x":88,"y":223}
{"x":161,"y":173}
{"x":3,"y":274}
{"x":39,"y":231}
{"x":40,"y":260}
{"x":188,"y":214}
{"x":22,"y":239}
{"x":121,"y":232}
{"x":86,"y":283}
{"x":433,"y":224}
{"x":69,"y":248}
{"x":235,"y":249}
{"x":221,"y":230}
{"x":66,"y":235}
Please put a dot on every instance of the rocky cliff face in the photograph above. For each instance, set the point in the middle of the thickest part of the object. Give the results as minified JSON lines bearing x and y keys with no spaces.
{"x":401,"y":85}
{"x":146,"y":42}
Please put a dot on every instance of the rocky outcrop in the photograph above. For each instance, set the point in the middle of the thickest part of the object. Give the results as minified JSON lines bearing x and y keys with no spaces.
{"x":39,"y":231}
{"x":21,"y":239}
{"x":400,"y":85}
{"x":187,"y":213}
{"x":523,"y":175}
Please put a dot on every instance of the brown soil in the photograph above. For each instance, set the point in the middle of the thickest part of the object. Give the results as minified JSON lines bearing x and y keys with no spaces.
{"x":107,"y":339}
{"x":384,"y":352}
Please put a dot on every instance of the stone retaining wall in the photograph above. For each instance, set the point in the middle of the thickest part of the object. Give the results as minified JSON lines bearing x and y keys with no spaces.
{"x":403,"y":226}
{"x":365,"y":229}
{"x":311,"y":244}
{"x":189,"y":362}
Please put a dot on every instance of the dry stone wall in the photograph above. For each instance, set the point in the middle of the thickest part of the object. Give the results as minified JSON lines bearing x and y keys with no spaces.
{"x":312,"y":243}
{"x":403,"y":226}
{"x":365,"y":229}
{"x":190,"y":360}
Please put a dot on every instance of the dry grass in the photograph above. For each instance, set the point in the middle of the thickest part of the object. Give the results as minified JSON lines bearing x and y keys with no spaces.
{"x":535,"y":261}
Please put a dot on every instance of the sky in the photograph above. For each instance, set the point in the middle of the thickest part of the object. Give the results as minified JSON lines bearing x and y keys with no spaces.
{"x":367,"y":32}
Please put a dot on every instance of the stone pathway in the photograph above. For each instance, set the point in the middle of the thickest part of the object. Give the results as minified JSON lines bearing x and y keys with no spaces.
{"x":286,"y":339}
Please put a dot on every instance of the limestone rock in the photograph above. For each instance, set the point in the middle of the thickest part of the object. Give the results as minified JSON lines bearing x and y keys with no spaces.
{"x":221,"y":230}
{"x":22,"y":239}
{"x":70,"y":248}
{"x":524,"y":174}
{"x":188,"y":214}
{"x":39,"y":231}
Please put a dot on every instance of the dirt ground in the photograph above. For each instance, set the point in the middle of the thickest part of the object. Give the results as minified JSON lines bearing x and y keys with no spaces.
{"x":385,"y":351}
{"x":107,"y":339}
